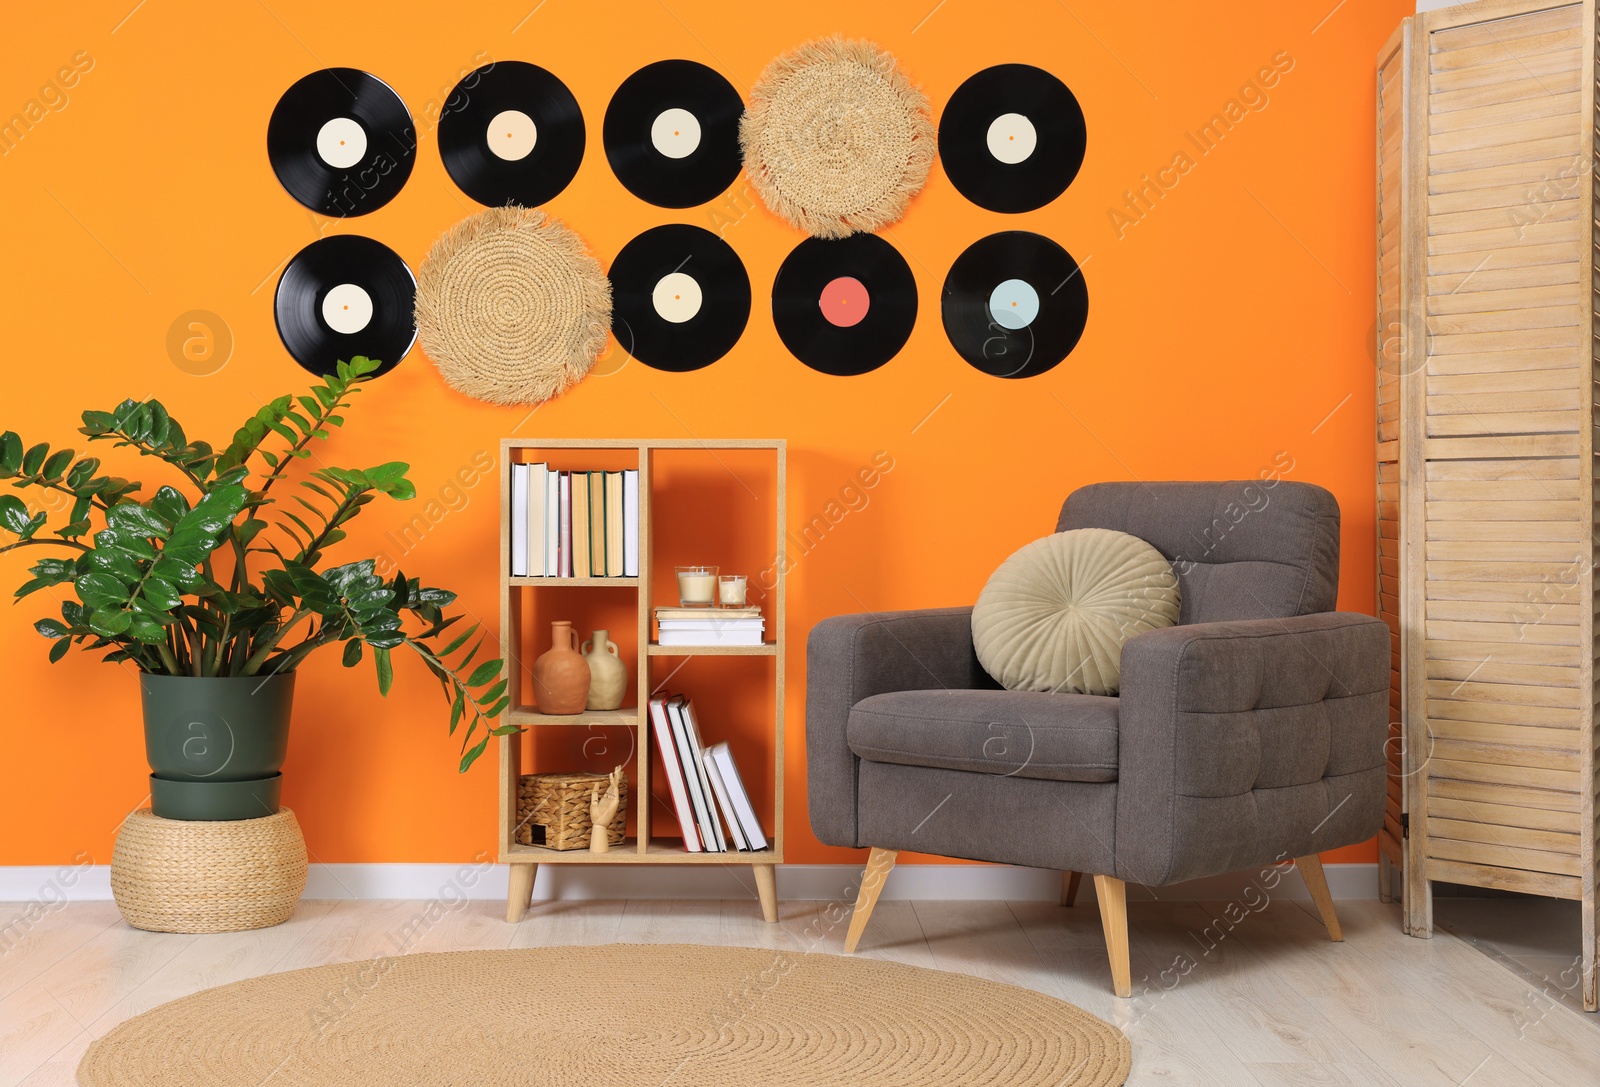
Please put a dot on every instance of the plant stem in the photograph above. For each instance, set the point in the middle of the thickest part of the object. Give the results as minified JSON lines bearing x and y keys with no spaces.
{"x":55,"y":540}
{"x":257,"y":659}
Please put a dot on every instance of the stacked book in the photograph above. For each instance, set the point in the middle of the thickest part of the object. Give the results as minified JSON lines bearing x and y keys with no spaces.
{"x":574,"y":524}
{"x":709,"y":626}
{"x":712,"y":805}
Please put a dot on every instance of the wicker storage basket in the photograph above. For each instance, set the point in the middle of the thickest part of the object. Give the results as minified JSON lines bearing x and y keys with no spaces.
{"x":173,"y":875}
{"x":553,"y":809}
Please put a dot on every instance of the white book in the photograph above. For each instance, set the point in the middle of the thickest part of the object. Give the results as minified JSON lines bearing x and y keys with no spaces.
{"x":699,"y":764}
{"x":566,"y":525}
{"x":712,"y":624}
{"x":709,"y":637}
{"x":536,"y":534}
{"x":729,"y":816}
{"x":667,"y":747}
{"x":552,"y":524}
{"x":519,"y":520}
{"x":630,"y":523}
{"x":699,"y":788}
{"x":723,"y":758}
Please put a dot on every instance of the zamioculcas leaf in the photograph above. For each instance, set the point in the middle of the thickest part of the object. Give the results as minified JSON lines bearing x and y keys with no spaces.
{"x":380,"y":657}
{"x":352,"y":652}
{"x":10,"y":454}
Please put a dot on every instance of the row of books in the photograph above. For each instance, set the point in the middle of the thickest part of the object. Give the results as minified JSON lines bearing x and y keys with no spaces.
{"x":709,"y":626}
{"x":574,"y":524}
{"x":712,"y":804}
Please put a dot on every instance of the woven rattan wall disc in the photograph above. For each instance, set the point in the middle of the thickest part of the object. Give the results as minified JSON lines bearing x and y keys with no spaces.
{"x":836,"y":139}
{"x":511,"y":307}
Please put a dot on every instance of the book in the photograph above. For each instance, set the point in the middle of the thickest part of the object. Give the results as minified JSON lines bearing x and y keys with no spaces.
{"x":667,"y":746}
{"x":580,"y":525}
{"x":519,"y":520}
{"x":692,"y":727}
{"x":711,"y":624}
{"x":552,"y":523}
{"x":729,"y":816}
{"x":722,"y":758}
{"x":704,"y":819}
{"x":614,"y":526}
{"x":709,"y":637}
{"x":564,"y":546}
{"x":630,"y":523}
{"x":536,"y":509}
{"x":597,"y":524}
{"x":667,"y":611}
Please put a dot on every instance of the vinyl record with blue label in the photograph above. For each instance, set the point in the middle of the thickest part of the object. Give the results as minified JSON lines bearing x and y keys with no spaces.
{"x":341,"y":142}
{"x":1012,"y":138}
{"x":672,"y":133}
{"x":844,"y":306}
{"x":511,"y":133}
{"x":345,"y":296}
{"x":680,"y":297}
{"x":1015,"y":304}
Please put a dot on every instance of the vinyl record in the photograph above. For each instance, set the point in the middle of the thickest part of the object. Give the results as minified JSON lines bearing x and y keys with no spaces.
{"x":341,"y":142}
{"x":672,"y":133}
{"x":1012,"y":138}
{"x":345,"y":296}
{"x":680,"y":297}
{"x":1015,"y":304}
{"x":511,"y":133}
{"x":846,"y":306}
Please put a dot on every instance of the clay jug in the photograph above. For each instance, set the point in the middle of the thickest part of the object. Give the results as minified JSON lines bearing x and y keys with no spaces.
{"x":561,"y":675}
{"x":608,"y":676}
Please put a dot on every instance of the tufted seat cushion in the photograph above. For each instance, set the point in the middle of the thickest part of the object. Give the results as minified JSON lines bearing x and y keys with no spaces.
{"x":1058,"y":737}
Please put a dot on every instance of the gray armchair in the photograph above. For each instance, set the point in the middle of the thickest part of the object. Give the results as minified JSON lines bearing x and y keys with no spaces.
{"x":1250,"y":733}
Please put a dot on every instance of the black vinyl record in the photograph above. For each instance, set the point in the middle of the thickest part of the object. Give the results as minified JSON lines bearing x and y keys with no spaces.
{"x":1012,"y":138}
{"x":341,"y":142}
{"x":845,"y":306}
{"x":345,"y":296}
{"x":511,"y":133}
{"x":672,"y":133}
{"x":680,"y":297}
{"x":1015,"y":304}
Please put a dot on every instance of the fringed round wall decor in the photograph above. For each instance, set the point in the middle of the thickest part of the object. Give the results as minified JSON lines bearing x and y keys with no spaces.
{"x":511,"y":307}
{"x":836,"y":139}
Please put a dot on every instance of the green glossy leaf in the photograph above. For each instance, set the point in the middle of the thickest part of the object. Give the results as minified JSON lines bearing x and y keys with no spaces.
{"x":52,"y":628}
{"x":10,"y":454}
{"x":380,"y":657}
{"x":458,"y":707}
{"x":352,"y":652}
{"x":135,"y":520}
{"x":33,"y":459}
{"x":459,"y":641}
{"x":14,"y":514}
{"x":498,"y":708}
{"x":487,"y":698}
{"x":100,"y":589}
{"x":110,"y":622}
{"x":161,"y":594}
{"x":56,"y":465}
{"x":484,"y":673}
{"x":59,"y":650}
{"x":472,"y":754}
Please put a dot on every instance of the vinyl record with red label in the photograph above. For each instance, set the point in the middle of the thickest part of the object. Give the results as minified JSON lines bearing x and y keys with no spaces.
{"x":1015,"y":304}
{"x":345,"y":296}
{"x":1012,"y":138}
{"x":341,"y":142}
{"x":845,"y":306}
{"x":672,"y":133}
{"x":511,"y":133}
{"x":680,"y":297}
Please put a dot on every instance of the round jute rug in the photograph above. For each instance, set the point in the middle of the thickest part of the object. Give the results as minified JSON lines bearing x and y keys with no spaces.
{"x":651,"y":1015}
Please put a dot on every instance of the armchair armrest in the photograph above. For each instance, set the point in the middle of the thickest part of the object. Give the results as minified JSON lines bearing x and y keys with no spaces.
{"x":1247,"y":742}
{"x":851,"y":657}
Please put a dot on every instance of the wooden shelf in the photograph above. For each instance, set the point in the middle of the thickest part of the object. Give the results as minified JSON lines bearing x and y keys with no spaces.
{"x":628,"y":715}
{"x":658,"y":851}
{"x":768,"y":649}
{"x":580,"y":582}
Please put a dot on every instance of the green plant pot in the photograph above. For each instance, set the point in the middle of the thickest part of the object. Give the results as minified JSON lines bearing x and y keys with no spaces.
{"x":216,"y":746}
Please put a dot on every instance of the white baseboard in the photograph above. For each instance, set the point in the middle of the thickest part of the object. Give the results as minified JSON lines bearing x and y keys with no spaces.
{"x":799,"y":882}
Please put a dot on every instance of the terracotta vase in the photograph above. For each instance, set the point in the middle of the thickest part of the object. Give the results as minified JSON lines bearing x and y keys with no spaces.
{"x":608,"y":676}
{"x":561,"y":675}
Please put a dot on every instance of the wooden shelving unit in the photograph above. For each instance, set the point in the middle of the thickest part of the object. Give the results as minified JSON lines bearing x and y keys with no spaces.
{"x":518,"y":599}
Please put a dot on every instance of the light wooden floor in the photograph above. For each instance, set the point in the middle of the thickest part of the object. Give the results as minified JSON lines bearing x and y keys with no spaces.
{"x":1272,"y":1004}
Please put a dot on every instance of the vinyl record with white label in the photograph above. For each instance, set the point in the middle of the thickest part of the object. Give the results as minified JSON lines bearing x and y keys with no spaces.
{"x":345,"y":296}
{"x":1015,"y":304}
{"x":844,"y":306}
{"x":511,"y":133}
{"x":680,"y":297}
{"x":672,"y":133}
{"x":1012,"y":138}
{"x":341,"y":142}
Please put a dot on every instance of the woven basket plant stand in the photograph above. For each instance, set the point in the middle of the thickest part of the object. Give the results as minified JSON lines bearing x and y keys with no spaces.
{"x":171,"y":875}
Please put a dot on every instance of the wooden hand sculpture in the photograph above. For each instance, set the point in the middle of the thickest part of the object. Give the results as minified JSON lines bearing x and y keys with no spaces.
{"x":602,"y":809}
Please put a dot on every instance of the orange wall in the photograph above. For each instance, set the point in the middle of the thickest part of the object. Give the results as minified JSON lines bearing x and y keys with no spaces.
{"x":1228,"y":326}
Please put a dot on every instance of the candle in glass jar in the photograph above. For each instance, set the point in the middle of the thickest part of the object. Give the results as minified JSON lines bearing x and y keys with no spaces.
{"x":730,"y":590}
{"x":697,"y":585}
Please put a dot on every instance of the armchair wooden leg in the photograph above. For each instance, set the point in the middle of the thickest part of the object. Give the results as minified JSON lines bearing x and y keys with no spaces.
{"x":1311,"y":871}
{"x":1113,"y":896}
{"x":521,"y":891}
{"x":1069,"y":887}
{"x":879,"y":863}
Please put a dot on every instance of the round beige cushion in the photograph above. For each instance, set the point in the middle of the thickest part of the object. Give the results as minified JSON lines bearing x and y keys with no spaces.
{"x":1055,"y":615}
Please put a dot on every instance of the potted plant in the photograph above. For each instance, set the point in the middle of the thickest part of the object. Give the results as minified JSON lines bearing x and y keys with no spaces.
{"x":217,"y":591}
